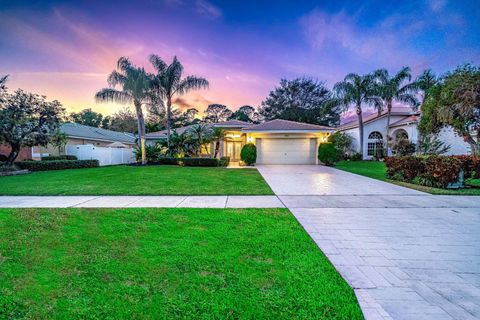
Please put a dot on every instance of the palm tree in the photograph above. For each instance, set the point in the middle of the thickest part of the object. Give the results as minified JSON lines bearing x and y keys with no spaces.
{"x":425,"y":81}
{"x":3,"y":80}
{"x":218,"y":134}
{"x":168,"y":82}
{"x":393,"y":88}
{"x":201,"y":133}
{"x":135,"y":87}
{"x":357,"y":90}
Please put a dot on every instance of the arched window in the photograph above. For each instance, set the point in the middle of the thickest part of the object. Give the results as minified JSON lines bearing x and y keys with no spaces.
{"x":401,"y":134}
{"x":375,"y":135}
{"x":375,"y":145}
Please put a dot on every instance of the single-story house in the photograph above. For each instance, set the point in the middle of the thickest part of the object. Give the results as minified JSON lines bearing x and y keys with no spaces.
{"x":403,"y":124}
{"x":78,"y":134}
{"x":278,"y":141}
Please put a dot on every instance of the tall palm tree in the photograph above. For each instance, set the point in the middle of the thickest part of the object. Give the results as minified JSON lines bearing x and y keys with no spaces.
{"x":135,"y":87}
{"x":168,"y":82}
{"x":393,"y":88}
{"x":425,"y":81}
{"x":357,"y":90}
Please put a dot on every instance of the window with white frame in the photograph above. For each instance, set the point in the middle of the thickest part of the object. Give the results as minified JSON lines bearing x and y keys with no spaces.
{"x":374,"y":143}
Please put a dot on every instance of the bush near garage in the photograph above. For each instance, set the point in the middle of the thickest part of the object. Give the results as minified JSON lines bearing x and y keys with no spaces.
{"x":431,"y":171}
{"x":56,"y":164}
{"x":328,"y":154}
{"x":61,"y":157}
{"x":249,"y":154}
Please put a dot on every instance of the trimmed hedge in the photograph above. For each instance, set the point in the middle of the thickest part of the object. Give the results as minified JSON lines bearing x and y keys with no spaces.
{"x":224,"y":161}
{"x":199,"y":162}
{"x":432,"y":171}
{"x":248,"y":154}
{"x":328,"y":154}
{"x":470,"y":166}
{"x":62,"y":157}
{"x":56,"y":164}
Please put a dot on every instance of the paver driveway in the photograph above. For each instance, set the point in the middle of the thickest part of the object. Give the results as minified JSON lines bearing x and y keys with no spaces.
{"x":408,"y":255}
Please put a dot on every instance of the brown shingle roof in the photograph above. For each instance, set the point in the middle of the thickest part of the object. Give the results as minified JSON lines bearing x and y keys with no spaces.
{"x":286,"y":125}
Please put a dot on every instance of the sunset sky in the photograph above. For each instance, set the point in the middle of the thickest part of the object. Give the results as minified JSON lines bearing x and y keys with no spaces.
{"x":65,"y":49}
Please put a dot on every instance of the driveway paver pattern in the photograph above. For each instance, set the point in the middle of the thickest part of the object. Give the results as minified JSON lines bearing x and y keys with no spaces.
{"x":406,"y":254}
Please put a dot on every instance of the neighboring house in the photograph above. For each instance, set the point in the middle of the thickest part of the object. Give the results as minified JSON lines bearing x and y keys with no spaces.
{"x":79,"y":134}
{"x":403,"y":124}
{"x":277,"y":141}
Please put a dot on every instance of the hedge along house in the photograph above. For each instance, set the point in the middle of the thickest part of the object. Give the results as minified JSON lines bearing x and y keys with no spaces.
{"x":277,"y":141}
{"x":403,"y":124}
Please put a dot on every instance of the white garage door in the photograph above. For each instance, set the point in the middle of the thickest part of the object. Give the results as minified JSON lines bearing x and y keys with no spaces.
{"x":286,"y":151}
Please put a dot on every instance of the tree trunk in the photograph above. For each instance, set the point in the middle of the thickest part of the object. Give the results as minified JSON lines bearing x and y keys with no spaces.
{"x":141,"y":129}
{"x":217,"y":146}
{"x":169,"y":108}
{"x":360,"y":127}
{"x":387,"y":131}
{"x":473,"y":144}
{"x":15,"y":150}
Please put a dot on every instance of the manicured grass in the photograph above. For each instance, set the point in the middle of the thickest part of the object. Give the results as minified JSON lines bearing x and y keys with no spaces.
{"x":165,"y":264}
{"x":128,"y":180}
{"x":377,"y":170}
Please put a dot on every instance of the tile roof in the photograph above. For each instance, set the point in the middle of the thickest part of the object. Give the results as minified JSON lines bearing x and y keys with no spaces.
{"x":285,"y":125}
{"x":406,"y":120}
{"x":87,"y":132}
{"x":353,"y":122}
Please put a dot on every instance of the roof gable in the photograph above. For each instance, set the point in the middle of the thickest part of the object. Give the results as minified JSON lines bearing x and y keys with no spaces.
{"x":286,"y":125}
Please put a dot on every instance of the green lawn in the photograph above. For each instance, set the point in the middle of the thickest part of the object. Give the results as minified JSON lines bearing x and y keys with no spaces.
{"x":377,"y":170}
{"x":165,"y":264}
{"x":130,"y":180}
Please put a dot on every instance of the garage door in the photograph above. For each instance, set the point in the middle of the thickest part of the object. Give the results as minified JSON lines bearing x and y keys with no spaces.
{"x":286,"y":151}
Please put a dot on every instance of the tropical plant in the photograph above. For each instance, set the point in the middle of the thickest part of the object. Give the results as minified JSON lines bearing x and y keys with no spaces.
{"x":342,"y":141}
{"x":393,"y":88}
{"x":356,"y":90}
{"x":403,"y":147}
{"x":217,"y":113}
{"x":328,"y":154}
{"x":425,"y":82}
{"x":201,"y":135}
{"x":135,"y":87}
{"x":218,"y":134}
{"x":153,"y":152}
{"x":302,"y":100}
{"x":28,"y":120}
{"x":431,"y":145}
{"x":248,"y":154}
{"x":168,"y":82}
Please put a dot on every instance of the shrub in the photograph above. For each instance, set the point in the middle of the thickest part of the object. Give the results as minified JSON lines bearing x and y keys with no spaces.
{"x":152,"y":153}
{"x":403,"y":147}
{"x":343,"y":142}
{"x":249,"y":154}
{"x":328,"y":154}
{"x":61,"y":157}
{"x":470,"y":165}
{"x":3,"y":158}
{"x":224,"y":161}
{"x":432,"y":171}
{"x":200,"y":162}
{"x":56,"y":164}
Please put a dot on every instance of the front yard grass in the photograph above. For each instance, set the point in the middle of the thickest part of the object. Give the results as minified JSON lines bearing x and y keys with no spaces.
{"x":377,"y":170}
{"x":165,"y":264}
{"x":130,"y":180}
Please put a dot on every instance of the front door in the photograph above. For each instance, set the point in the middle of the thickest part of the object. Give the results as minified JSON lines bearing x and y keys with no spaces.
{"x":233,"y":150}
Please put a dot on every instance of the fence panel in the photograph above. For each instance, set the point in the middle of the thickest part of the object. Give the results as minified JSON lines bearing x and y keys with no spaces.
{"x":105,"y":155}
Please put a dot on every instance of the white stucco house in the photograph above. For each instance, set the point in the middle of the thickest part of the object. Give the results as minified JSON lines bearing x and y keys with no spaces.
{"x":403,"y":123}
{"x":277,"y":141}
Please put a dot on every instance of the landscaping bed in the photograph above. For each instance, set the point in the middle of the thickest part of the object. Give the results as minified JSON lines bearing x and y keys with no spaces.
{"x":377,"y":170}
{"x":141,"y":180}
{"x":165,"y":263}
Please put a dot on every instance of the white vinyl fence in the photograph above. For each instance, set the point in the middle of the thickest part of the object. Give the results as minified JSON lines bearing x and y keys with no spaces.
{"x":105,"y":155}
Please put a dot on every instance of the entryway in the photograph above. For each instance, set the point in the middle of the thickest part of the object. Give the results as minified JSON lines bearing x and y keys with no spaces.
{"x":233,"y":150}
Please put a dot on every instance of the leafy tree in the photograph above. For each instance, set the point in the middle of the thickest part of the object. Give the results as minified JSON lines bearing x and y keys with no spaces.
{"x":87,"y":117}
{"x":168,"y":82}
{"x":135,"y":88}
{"x":247,"y":114}
{"x":303,"y":100}
{"x":189,"y":116}
{"x":455,"y":102}
{"x":124,"y":120}
{"x":106,"y":122}
{"x":356,"y":90}
{"x":3,"y":88}
{"x":59,"y":140}
{"x":393,"y":88}
{"x":217,"y":113}
{"x":28,"y":120}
